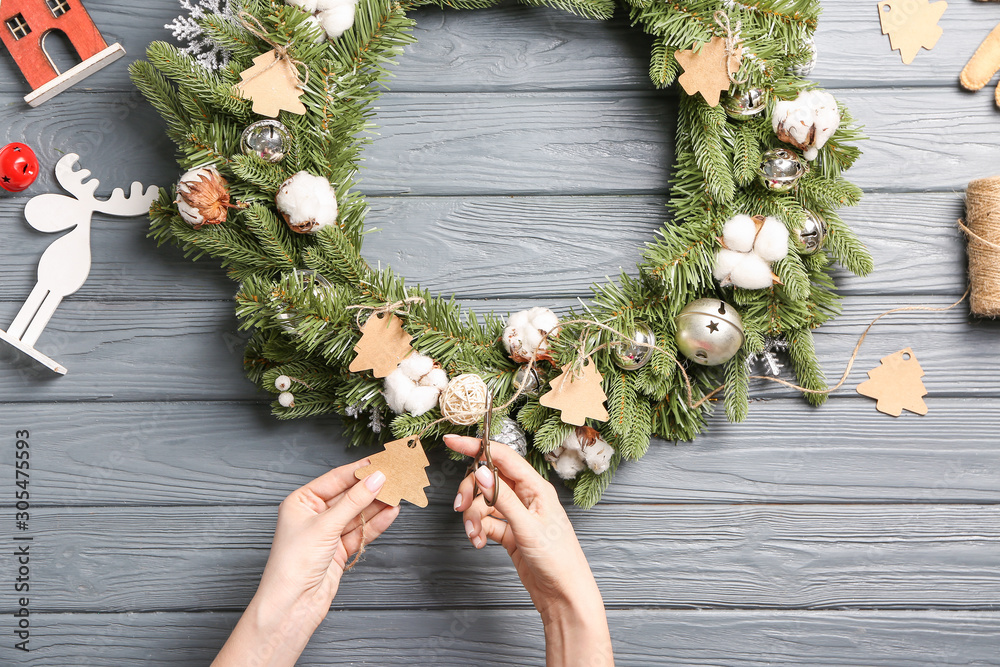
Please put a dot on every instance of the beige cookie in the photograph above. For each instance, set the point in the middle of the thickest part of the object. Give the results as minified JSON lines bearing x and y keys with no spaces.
{"x":984,"y":63}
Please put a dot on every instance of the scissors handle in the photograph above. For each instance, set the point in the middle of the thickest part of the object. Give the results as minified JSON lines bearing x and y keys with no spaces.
{"x":486,"y":456}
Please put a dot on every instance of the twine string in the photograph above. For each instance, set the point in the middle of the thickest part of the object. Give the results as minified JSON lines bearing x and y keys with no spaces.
{"x":361,"y":549}
{"x":254,"y":26}
{"x":401,"y":307}
{"x":982,"y":203}
{"x":733,"y":46}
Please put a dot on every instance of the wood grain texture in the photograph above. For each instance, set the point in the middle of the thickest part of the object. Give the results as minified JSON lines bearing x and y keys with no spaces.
{"x":664,"y":556}
{"x":513,"y":637}
{"x":224,"y":454}
{"x":483,"y":247}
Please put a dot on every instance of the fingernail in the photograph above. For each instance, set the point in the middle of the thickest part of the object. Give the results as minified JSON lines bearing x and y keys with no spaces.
{"x":450,"y":436}
{"x":469,"y":528}
{"x":458,"y":501}
{"x":375,"y":481}
{"x":478,"y":542}
{"x":484,"y":477}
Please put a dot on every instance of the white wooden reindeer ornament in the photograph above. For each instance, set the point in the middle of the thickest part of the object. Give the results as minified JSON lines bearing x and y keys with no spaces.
{"x":65,"y":265}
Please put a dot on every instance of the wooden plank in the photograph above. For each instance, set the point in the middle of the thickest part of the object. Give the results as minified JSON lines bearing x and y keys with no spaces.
{"x":659,"y":556}
{"x":535,"y":247}
{"x":529,"y":48}
{"x":514,"y":637}
{"x":190,"y":454}
{"x":150,"y":351}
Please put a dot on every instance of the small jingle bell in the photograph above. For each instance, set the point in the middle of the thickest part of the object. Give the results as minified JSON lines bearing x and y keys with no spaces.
{"x":709,"y":332}
{"x":18,"y":167}
{"x":812,"y":234}
{"x":527,"y":381}
{"x":633,"y":355}
{"x":745,"y":103}
{"x":780,"y":170}
{"x":267,"y":139}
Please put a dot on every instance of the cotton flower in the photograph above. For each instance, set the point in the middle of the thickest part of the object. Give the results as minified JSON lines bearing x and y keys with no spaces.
{"x":335,"y":16}
{"x":750,"y":245}
{"x":582,"y":448}
{"x":415,"y":386}
{"x":525,"y":335}
{"x":807,"y":122}
{"x":307,"y":202}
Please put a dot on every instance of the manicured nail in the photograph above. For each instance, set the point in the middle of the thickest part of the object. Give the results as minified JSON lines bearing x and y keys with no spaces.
{"x":375,"y":481}
{"x":477,"y":542}
{"x":450,"y":436}
{"x":469,"y":528}
{"x":458,"y":501}
{"x":484,"y":477}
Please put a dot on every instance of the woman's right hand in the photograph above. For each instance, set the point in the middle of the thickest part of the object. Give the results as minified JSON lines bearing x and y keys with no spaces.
{"x":531,"y":524}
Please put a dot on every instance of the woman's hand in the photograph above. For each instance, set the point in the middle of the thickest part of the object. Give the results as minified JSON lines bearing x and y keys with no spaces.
{"x":319,"y":526}
{"x":531,"y":524}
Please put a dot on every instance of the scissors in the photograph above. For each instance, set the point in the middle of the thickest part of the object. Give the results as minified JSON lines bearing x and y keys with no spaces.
{"x":487,"y":458}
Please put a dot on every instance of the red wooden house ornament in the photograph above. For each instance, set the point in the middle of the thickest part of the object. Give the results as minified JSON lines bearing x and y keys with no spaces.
{"x":24,"y":25}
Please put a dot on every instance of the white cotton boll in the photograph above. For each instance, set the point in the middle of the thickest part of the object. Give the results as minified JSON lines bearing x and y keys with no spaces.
{"x":827,"y":120}
{"x":327,"y":5}
{"x":415,"y":366}
{"x":337,"y":21}
{"x":397,"y":388}
{"x":304,"y":5}
{"x":544,"y":319}
{"x":772,"y":241}
{"x":569,"y":465}
{"x":739,"y":233}
{"x":317,"y":28}
{"x":726,"y":262}
{"x":808,"y":121}
{"x":752,"y":273}
{"x":307,"y":202}
{"x":436,"y":379}
{"x":421,"y":400}
{"x":524,"y":336}
{"x":572,"y":442}
{"x":598,"y":456}
{"x":554,"y":455}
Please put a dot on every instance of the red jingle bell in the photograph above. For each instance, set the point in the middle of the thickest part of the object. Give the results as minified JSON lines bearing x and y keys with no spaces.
{"x":18,"y":167}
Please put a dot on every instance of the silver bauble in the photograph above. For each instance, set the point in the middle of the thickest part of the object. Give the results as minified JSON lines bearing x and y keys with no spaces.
{"x":285,"y":313}
{"x":745,"y":103}
{"x":780,"y":170}
{"x":267,"y":139}
{"x":806,"y":68}
{"x":633,"y":355}
{"x":812,"y":233}
{"x":511,"y":434}
{"x":527,"y":380}
{"x":709,"y":332}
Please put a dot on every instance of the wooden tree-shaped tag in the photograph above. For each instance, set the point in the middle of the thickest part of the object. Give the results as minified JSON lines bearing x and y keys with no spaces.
{"x":578,"y":398}
{"x":384,"y":343}
{"x":896,"y":384}
{"x":707,"y":71}
{"x":911,"y":24}
{"x":273,"y":85}
{"x":402,"y":463}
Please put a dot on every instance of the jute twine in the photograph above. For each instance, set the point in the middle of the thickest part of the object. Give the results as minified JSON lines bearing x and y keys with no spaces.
{"x":982,"y":206}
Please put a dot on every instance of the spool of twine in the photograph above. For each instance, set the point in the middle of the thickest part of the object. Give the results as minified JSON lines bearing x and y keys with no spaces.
{"x":982,"y":208}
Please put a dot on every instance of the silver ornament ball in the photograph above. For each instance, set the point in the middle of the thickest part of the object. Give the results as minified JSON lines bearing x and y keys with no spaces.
{"x":812,"y":233}
{"x":806,"y":68}
{"x":527,"y":381}
{"x":709,"y":332}
{"x":636,"y":353}
{"x":745,"y":103}
{"x":780,"y":170}
{"x":267,"y":139}
{"x":285,"y":313}
{"x":511,"y":434}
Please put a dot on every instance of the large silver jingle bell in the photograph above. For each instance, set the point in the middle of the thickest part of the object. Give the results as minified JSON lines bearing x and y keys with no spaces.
{"x":709,"y":332}
{"x":745,"y":103}
{"x":633,"y":355}
{"x":812,"y":233}
{"x":780,"y":170}
{"x":285,"y":313}
{"x":267,"y":139}
{"x":511,"y":434}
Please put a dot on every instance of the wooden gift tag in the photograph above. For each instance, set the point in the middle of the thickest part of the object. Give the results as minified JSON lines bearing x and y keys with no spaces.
{"x":896,"y":384}
{"x":402,"y":463}
{"x":911,"y":24}
{"x":273,"y":85}
{"x":578,"y":398}
{"x":707,"y":71}
{"x":382,"y":346}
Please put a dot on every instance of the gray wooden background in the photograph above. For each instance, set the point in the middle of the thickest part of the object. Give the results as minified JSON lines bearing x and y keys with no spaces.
{"x":523,"y":154}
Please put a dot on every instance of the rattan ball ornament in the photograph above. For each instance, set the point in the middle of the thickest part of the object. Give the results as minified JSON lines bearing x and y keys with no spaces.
{"x":709,"y":332}
{"x":463,"y":402}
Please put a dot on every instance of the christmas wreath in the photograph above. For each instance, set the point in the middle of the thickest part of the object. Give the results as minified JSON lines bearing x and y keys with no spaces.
{"x":742,"y":265}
